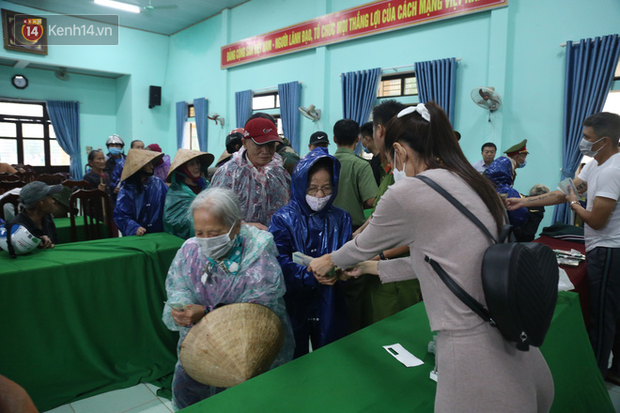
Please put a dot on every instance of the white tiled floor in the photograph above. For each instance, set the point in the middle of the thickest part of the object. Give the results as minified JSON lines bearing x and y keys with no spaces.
{"x":614,"y":394}
{"x":140,"y":398}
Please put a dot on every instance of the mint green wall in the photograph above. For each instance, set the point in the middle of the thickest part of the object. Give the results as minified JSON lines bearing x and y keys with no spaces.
{"x":120,"y":105}
{"x":96,"y":115}
{"x":516,"y":49}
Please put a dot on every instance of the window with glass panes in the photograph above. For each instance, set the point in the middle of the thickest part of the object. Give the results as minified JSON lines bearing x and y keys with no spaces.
{"x":27,"y":137}
{"x":395,"y":85}
{"x":266,"y":102}
{"x":192,"y":142}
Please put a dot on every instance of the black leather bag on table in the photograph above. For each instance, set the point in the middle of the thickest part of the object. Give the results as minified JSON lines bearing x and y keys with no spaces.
{"x":519,"y":280}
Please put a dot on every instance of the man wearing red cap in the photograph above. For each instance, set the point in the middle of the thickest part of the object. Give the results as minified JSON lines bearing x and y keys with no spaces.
{"x":256,"y":174}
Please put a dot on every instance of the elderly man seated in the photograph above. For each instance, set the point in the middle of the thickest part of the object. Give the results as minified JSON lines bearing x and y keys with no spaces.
{"x":256,"y":174}
{"x":37,"y":206}
{"x":226,"y":262}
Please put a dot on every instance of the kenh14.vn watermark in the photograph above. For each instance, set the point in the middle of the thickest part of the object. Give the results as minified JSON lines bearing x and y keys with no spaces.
{"x":68,"y":30}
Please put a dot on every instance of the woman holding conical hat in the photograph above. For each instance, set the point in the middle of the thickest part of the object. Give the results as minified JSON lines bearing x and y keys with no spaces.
{"x":140,"y":204}
{"x":226,"y":262}
{"x":187,"y":178}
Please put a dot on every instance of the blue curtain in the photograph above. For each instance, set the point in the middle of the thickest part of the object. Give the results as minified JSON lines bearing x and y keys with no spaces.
{"x":201,"y":106}
{"x":65,"y":117}
{"x":243,"y":106}
{"x":437,"y":82}
{"x":181,"y":118}
{"x":590,"y":66}
{"x":359,"y":93}
{"x":290,"y":98}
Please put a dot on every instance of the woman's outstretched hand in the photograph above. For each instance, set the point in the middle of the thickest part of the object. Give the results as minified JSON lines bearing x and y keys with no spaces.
{"x":321,"y":266}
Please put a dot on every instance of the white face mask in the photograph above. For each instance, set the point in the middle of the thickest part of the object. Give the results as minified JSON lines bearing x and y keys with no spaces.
{"x":586,"y":147}
{"x":217,"y":247}
{"x":317,"y":204}
{"x":398,"y":175}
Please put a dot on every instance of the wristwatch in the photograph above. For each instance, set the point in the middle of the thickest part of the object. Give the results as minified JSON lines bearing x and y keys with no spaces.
{"x":573,"y":203}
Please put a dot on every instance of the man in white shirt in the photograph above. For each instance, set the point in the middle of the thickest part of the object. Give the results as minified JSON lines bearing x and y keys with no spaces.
{"x":601,"y":179}
{"x":488,"y":155}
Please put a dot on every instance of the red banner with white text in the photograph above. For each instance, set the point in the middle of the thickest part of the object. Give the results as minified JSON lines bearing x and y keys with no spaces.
{"x":365,"y":20}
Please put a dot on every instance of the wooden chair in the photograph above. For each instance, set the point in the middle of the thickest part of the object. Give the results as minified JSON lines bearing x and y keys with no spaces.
{"x":94,"y":208}
{"x":26,"y":176}
{"x":52,"y":179}
{"x":9,"y":178}
{"x":75,"y":185}
{"x":9,"y":199}
{"x":7,"y":186}
{"x":26,"y":168}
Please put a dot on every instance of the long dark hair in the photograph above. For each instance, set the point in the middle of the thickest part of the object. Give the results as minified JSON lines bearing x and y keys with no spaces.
{"x":438,"y":148}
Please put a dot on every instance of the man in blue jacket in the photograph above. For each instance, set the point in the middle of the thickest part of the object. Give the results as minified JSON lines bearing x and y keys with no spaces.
{"x":310,"y":224}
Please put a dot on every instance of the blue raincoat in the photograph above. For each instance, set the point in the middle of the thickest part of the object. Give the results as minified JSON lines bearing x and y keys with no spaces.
{"x":115,"y":176}
{"x":146,"y":209}
{"x":500,"y":174}
{"x":317,"y":311}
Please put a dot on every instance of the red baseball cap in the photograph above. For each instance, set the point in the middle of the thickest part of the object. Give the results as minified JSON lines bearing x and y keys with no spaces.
{"x":261,"y":131}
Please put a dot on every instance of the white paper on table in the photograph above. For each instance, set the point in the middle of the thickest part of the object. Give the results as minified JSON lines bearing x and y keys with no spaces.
{"x":564,"y":283}
{"x":402,"y":355}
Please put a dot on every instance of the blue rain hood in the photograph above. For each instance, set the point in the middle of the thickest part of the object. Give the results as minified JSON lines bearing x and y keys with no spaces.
{"x":500,"y":174}
{"x":296,"y":227}
{"x":299,"y":181}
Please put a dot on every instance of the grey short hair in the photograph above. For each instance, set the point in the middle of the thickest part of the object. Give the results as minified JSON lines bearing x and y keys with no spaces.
{"x":539,"y":189}
{"x":222,"y":202}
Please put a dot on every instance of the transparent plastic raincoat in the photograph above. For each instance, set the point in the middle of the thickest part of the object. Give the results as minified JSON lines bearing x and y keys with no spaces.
{"x":317,"y":311}
{"x":261,"y":190}
{"x":193,"y":279}
{"x":177,"y":220}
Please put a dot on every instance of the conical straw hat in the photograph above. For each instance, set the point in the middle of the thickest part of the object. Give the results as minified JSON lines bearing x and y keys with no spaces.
{"x":185,"y":155}
{"x":136,"y":159}
{"x":232,"y":344}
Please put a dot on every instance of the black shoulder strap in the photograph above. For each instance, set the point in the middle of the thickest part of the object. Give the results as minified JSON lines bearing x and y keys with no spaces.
{"x":456,"y":289}
{"x":461,"y":294}
{"x":439,"y":189}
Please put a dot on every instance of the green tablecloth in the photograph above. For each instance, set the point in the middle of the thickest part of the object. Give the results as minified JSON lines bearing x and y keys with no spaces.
{"x":63,"y":228}
{"x":85,"y":317}
{"x":355,"y":374}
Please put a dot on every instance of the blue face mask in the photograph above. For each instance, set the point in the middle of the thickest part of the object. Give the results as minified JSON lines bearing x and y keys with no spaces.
{"x":366,"y":149}
{"x":523,"y":164}
{"x":116,"y":151}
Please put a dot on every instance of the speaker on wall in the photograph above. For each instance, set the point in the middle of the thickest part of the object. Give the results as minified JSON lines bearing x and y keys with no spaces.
{"x":154,"y":96}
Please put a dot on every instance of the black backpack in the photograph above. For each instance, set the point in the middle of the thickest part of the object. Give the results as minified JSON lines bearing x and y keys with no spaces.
{"x":519,"y":280}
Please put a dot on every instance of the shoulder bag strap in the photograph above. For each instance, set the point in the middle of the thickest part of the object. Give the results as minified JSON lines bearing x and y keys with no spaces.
{"x":452,"y":285}
{"x":439,"y":189}
{"x":461,"y":294}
